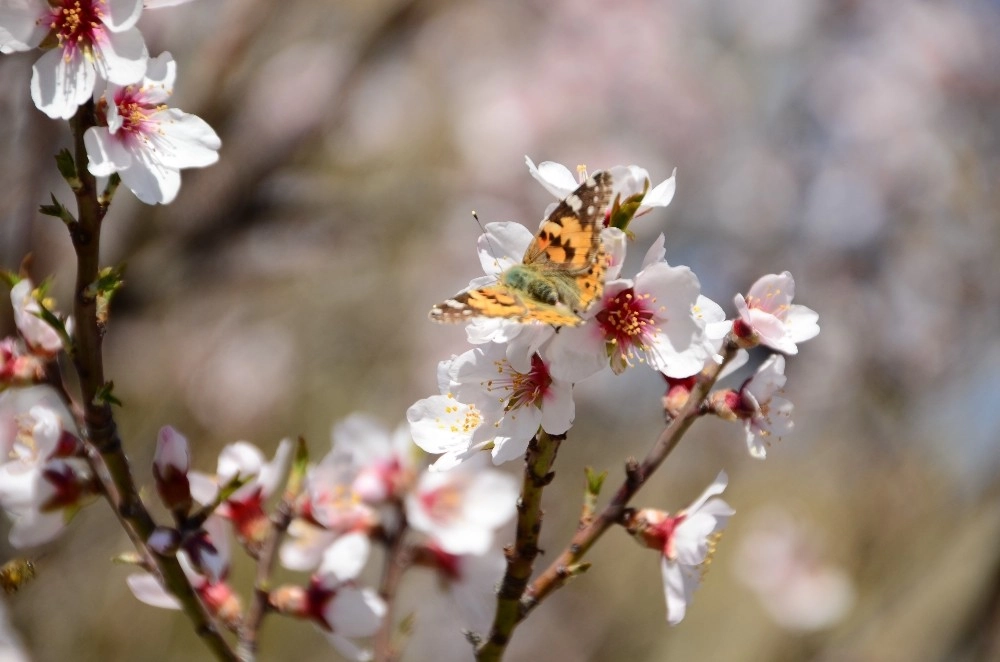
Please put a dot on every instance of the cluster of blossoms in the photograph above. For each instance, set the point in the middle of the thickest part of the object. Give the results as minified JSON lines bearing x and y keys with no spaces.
{"x":518,"y":378}
{"x":370,"y":488}
{"x":95,"y":51}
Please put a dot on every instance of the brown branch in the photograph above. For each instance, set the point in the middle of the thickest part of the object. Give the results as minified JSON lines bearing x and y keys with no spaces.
{"x":398,"y":557}
{"x":105,"y":452}
{"x":521,"y":556}
{"x":260,"y":602}
{"x":568,"y":565}
{"x":555,"y":575}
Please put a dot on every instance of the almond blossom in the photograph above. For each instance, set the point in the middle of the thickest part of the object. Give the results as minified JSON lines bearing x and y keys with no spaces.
{"x":43,"y":479}
{"x":470,"y":579}
{"x":659,"y":319}
{"x":487,"y":403}
{"x":764,"y":414}
{"x":146,"y":142}
{"x":767,"y":315}
{"x":37,"y":333}
{"x":244,"y":507}
{"x":92,"y":38}
{"x":686,"y":542}
{"x":460,"y":509}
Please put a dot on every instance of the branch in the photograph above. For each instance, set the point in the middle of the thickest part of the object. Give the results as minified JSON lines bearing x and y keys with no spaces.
{"x":556,"y":575}
{"x":517,"y":599}
{"x":521,"y":556}
{"x":248,"y":633}
{"x":105,"y":452}
{"x":398,"y":557}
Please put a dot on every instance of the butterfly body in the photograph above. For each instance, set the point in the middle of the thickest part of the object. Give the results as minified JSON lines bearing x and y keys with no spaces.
{"x":562,"y":272}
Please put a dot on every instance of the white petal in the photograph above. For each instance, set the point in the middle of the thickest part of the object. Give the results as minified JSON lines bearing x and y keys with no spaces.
{"x":122,"y":56}
{"x":355,"y":612}
{"x":105,"y":154}
{"x":59,"y":86}
{"x":346,"y":557}
{"x":502,"y":246}
{"x":439,"y":424}
{"x":150,"y":182}
{"x":20,"y":29}
{"x":491,"y":499}
{"x":122,"y":14}
{"x":673,"y":590}
{"x":558,"y":408}
{"x":185,"y":141}
{"x":662,"y":194}
{"x":147,"y":589}
{"x":555,"y":177}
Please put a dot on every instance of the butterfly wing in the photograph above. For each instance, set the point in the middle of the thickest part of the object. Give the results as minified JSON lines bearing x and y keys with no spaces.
{"x":568,"y":245}
{"x":500,"y":301}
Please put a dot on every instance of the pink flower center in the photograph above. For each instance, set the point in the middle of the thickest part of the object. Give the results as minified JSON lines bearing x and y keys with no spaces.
{"x":520,"y":389}
{"x":76,"y":24}
{"x":627,"y":320}
{"x":528,"y":388}
{"x":664,"y":534}
{"x":442,"y":505}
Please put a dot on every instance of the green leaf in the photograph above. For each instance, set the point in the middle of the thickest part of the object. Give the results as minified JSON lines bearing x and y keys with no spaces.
{"x":104,"y":199}
{"x":595,"y":481}
{"x":109,"y":281}
{"x":58,"y":210}
{"x":105,"y":395}
{"x":67,"y":168}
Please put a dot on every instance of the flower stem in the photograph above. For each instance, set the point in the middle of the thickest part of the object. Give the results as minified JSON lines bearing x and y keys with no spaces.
{"x":398,"y":557}
{"x":105,"y":452}
{"x":260,"y":602}
{"x":521,"y":556}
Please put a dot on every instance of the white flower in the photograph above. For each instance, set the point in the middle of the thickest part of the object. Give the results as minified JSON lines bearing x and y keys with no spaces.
{"x":94,"y":38}
{"x":146,"y":142}
{"x":658,"y":319}
{"x":686,"y":542}
{"x":383,"y":461}
{"x":489,"y":403}
{"x":768,"y":315}
{"x":42,"y":481}
{"x":330,"y":511}
{"x":460,"y":509}
{"x":441,"y":425}
{"x":764,"y":414}
{"x":37,"y":333}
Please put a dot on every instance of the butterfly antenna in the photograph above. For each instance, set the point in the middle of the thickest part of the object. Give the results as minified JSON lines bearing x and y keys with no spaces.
{"x":489,"y":243}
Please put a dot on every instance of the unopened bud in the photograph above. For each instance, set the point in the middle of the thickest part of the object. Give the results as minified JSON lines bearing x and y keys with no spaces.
{"x":170,"y":468}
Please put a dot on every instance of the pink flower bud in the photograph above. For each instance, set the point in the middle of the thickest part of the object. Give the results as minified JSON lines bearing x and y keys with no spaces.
{"x":170,"y":469}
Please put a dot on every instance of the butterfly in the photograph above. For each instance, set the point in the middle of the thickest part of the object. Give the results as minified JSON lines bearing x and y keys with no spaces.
{"x":561,"y":274}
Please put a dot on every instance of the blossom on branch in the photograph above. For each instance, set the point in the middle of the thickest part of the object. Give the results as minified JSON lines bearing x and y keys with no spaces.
{"x":146,"y":142}
{"x":460,"y":509}
{"x":768,"y":317}
{"x":86,"y":39}
{"x":38,"y":334}
{"x":44,"y":479}
{"x":686,"y":542}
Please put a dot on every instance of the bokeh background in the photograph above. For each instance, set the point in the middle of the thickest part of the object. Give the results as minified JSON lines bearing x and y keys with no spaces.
{"x":855,"y":143}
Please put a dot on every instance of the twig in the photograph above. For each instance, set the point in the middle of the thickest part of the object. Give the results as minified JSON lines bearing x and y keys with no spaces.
{"x":105,"y":452}
{"x":250,"y":629}
{"x":567,"y":564}
{"x":398,"y":557}
{"x":521,"y":556}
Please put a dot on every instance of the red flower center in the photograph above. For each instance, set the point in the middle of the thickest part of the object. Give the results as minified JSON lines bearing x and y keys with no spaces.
{"x":76,"y":23}
{"x":627,"y":320}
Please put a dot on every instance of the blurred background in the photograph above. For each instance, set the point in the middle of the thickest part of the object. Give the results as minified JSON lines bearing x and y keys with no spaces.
{"x":855,"y":143}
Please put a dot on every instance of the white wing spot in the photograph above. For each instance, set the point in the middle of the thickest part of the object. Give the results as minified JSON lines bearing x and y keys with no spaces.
{"x":591,"y":210}
{"x":574,"y":202}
